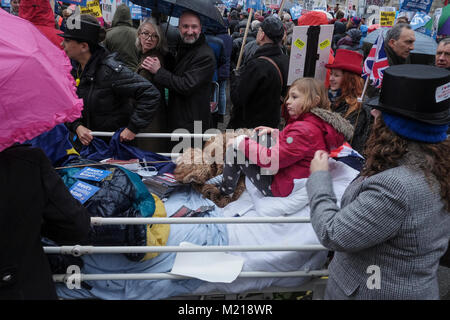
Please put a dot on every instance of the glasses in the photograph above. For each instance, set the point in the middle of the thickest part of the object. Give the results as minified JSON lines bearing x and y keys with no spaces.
{"x":147,"y":35}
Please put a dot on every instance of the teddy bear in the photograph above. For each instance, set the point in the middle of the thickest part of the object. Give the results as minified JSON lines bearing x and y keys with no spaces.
{"x":196,"y":166}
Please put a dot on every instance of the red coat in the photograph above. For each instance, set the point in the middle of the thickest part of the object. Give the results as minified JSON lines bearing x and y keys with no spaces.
{"x":295,"y":147}
{"x":40,"y":13}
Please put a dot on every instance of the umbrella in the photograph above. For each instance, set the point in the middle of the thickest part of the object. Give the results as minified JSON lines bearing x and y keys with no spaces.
{"x":423,"y":44}
{"x":210,"y":16}
{"x":37,"y":90}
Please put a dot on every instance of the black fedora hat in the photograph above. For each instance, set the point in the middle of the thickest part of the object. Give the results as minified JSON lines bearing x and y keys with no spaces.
{"x":82,"y":30}
{"x":418,"y":92}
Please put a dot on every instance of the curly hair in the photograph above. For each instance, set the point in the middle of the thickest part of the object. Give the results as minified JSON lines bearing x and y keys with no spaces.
{"x":385,"y":148}
{"x":352,"y":87}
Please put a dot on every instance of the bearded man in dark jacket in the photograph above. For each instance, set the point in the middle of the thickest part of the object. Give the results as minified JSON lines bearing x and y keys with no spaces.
{"x":256,"y":92}
{"x":189,"y":78}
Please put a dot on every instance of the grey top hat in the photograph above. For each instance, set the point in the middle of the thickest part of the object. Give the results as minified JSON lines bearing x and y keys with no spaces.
{"x":418,"y":92}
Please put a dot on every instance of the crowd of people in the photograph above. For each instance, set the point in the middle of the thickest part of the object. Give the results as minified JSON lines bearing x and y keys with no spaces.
{"x":160,"y":78}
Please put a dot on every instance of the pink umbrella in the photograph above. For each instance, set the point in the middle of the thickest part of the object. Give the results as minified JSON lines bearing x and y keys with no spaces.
{"x":37,"y":90}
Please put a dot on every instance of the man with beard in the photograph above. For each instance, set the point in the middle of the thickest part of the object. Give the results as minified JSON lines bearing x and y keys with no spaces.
{"x":189,"y":77}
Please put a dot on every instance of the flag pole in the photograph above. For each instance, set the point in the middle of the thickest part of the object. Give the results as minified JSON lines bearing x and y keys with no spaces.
{"x":245,"y":38}
{"x":360,"y":99}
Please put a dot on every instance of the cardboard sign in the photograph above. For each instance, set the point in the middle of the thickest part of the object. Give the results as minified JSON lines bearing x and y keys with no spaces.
{"x":83,"y":191}
{"x":93,"y":174}
{"x":387,"y":19}
{"x":92,"y":8}
{"x":298,"y":52}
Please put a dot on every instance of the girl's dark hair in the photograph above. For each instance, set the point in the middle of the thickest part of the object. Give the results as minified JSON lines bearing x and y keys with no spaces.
{"x":385,"y":148}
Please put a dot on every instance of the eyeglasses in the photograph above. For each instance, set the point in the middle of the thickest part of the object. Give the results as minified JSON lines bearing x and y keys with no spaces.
{"x":151,"y":36}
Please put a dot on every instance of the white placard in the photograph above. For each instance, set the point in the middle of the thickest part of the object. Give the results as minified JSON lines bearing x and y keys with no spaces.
{"x":442,"y":92}
{"x":298,"y":52}
{"x":207,"y":266}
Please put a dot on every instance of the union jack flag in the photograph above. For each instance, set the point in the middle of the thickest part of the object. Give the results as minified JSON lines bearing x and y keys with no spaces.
{"x":376,"y":62}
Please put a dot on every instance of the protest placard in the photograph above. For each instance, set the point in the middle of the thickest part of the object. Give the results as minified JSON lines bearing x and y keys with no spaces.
{"x":317,"y":53}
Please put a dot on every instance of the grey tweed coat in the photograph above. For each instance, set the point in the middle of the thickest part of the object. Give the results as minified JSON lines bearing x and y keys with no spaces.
{"x":388,"y":236}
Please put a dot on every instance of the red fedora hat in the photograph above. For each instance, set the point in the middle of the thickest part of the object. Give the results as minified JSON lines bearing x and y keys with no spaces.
{"x":347,"y":60}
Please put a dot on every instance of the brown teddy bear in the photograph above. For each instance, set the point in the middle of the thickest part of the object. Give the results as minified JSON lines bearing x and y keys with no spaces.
{"x":197,"y":166}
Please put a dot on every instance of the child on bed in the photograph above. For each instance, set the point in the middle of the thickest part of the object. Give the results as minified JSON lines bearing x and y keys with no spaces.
{"x":310,"y":126}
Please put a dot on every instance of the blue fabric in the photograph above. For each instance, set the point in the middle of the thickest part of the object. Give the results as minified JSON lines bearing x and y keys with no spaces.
{"x":55,"y":144}
{"x":415,"y":130}
{"x":200,"y":234}
{"x":99,"y":150}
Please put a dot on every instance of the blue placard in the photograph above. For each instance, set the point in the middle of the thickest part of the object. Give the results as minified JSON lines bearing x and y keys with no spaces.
{"x":83,"y":191}
{"x":6,"y":3}
{"x":416,"y":5}
{"x":255,"y":4}
{"x":296,"y":11}
{"x":93,"y":174}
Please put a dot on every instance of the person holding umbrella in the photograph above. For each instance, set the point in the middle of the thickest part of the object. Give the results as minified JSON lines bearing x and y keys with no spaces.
{"x":113,"y":95}
{"x":34,"y":201}
{"x":393,"y":223}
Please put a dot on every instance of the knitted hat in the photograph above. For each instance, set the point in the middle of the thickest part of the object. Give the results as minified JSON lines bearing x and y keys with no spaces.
{"x":347,"y":60}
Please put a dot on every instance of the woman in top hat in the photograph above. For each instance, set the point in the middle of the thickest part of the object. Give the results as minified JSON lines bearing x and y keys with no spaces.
{"x":113,"y":96}
{"x":393,"y":222}
{"x":346,"y":85}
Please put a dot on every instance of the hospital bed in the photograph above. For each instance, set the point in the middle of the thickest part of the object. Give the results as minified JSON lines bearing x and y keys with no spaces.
{"x":249,"y":284}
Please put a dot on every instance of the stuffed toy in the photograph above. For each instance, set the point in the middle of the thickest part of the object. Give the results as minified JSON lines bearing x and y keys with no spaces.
{"x":196,"y":166}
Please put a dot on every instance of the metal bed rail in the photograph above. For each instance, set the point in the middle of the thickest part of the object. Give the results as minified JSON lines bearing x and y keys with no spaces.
{"x":78,"y":250}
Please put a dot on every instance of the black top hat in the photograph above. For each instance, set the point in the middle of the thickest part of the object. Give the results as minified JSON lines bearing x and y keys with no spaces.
{"x":419,"y":92}
{"x":83,"y":31}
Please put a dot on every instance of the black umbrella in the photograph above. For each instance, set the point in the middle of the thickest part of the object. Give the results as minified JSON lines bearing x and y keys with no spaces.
{"x":423,"y":44}
{"x":210,"y":16}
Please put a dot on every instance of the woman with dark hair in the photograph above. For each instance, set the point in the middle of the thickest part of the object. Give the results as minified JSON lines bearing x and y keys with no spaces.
{"x":113,"y":95}
{"x":393,"y":223}
{"x":346,"y":85}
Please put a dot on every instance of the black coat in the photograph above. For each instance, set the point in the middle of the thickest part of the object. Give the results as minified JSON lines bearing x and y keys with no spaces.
{"x":34,"y":202}
{"x":256,"y":92}
{"x":114,"y":96}
{"x":361,"y":122}
{"x":189,"y":80}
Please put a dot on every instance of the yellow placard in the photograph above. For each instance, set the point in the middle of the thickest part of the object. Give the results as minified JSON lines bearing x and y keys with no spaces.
{"x":387,"y":18}
{"x":324,"y":44}
{"x":299,"y":44}
{"x":92,"y":8}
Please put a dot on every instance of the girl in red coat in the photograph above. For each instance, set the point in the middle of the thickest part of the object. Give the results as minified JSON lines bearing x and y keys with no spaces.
{"x":272,"y":163}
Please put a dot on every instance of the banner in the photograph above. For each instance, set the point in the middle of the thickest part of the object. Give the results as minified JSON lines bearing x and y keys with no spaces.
{"x":255,"y":4}
{"x":416,"y":5}
{"x":296,"y":11}
{"x":81,"y":3}
{"x":5,"y":3}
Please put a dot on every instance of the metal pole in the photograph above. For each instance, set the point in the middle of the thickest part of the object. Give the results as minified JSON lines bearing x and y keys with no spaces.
{"x":80,"y":250}
{"x":157,"y":135}
{"x":169,"y":276}
{"x":97,"y":221}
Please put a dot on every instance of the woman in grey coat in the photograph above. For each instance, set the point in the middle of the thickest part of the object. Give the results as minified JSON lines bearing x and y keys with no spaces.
{"x":393,"y":223}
